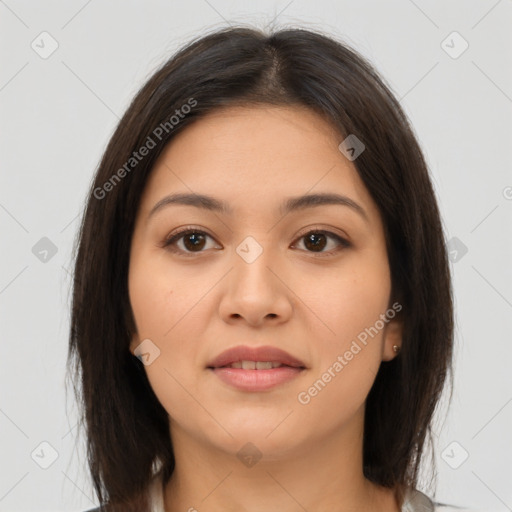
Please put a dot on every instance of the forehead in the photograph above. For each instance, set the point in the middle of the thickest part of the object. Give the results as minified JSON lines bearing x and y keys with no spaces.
{"x":256,"y":156}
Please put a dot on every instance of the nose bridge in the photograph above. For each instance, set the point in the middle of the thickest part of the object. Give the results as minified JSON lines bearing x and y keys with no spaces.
{"x":252,"y":261}
{"x":254,"y":291}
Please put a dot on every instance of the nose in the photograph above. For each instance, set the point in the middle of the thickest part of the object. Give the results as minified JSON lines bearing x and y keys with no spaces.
{"x":255,"y":293}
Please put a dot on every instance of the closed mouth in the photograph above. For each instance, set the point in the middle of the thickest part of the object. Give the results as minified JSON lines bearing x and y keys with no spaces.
{"x":256,"y":365}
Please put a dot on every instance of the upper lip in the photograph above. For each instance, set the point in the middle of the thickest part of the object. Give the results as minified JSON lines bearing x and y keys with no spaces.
{"x":245,"y":353}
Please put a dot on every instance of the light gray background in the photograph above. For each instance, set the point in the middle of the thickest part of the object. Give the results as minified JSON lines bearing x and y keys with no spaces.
{"x":58,"y":113}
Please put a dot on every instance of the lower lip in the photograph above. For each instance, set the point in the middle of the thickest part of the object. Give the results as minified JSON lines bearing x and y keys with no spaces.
{"x":256,"y":380}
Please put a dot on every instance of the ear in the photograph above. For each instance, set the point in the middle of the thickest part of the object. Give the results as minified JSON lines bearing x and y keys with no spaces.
{"x":392,"y":337}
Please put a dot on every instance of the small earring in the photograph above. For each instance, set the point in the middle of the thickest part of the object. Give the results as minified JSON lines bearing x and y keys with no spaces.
{"x":396,"y":349}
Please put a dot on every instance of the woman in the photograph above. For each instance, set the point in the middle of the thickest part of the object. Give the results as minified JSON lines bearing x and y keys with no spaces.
{"x":262,"y":313}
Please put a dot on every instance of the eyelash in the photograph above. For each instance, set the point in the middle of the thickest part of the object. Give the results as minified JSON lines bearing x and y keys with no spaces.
{"x":169,"y":243}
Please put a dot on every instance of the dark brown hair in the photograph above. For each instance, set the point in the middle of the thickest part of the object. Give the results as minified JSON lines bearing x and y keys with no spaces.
{"x":127,"y":429}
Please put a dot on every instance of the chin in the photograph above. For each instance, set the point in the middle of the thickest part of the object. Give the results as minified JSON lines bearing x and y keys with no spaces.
{"x":267,"y":429}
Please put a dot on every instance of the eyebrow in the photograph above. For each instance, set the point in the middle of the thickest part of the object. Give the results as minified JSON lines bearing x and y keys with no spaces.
{"x":289,"y":205}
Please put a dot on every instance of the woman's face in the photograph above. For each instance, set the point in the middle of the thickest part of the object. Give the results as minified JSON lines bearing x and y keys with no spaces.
{"x":253,"y":276}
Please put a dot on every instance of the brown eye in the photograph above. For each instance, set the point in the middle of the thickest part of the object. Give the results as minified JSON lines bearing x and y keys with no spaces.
{"x":317,"y":240}
{"x":193,"y":241}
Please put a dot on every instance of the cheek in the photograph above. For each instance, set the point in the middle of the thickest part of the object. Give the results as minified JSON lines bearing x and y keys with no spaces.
{"x":348,"y":358}
{"x":172,"y":308}
{"x":348,"y":300}
{"x":160,"y":299}
{"x":350,"y":306}
{"x":163,"y":308}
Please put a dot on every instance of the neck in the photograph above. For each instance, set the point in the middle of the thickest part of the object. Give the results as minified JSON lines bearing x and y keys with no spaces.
{"x":326,"y":475}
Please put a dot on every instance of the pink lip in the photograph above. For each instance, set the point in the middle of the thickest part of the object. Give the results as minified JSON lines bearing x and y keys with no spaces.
{"x":256,"y":380}
{"x":245,"y":353}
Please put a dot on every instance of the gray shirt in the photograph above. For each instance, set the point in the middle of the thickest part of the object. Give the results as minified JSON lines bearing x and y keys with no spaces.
{"x":416,"y":501}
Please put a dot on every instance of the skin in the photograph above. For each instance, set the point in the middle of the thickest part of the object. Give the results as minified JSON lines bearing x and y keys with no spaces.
{"x":308,"y":304}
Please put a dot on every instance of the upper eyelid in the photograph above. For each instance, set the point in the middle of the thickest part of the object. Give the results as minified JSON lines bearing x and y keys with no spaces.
{"x":182,"y":232}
